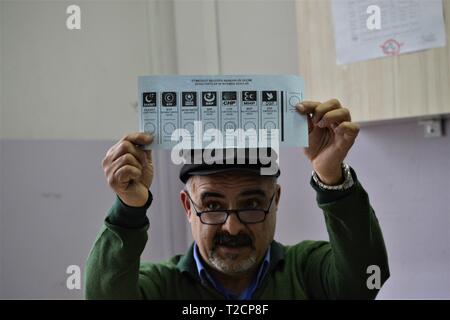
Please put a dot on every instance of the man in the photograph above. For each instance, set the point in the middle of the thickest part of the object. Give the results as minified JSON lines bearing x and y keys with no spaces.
{"x":232,"y":212}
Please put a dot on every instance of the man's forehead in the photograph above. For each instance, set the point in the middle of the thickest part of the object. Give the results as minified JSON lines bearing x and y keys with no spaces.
{"x":231,"y":179}
{"x":236,"y":184}
{"x":212,"y":193}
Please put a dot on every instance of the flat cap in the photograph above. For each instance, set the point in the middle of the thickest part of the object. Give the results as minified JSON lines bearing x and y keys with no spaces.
{"x":201,"y":162}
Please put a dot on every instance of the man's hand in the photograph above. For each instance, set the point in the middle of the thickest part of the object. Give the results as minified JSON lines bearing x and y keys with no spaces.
{"x":331,"y":135}
{"x":129,"y":169}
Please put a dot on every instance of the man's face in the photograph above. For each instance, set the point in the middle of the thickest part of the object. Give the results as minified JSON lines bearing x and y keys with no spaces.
{"x":233,"y":247}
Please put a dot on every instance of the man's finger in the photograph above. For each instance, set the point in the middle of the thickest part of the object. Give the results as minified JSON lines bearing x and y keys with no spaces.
{"x":113,"y":153}
{"x":310,"y":125}
{"x":349,"y":130}
{"x":334,"y":117}
{"x":127,"y":173}
{"x":125,"y":160}
{"x":324,"y":108}
{"x":125,"y":147}
{"x":138,"y":138}
{"x":306,"y":107}
{"x":148,"y":154}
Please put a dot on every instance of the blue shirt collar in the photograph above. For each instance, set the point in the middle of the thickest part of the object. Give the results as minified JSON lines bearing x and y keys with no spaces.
{"x":247,"y":294}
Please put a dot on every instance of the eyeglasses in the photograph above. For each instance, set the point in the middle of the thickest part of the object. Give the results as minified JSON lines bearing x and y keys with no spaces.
{"x":245,"y":216}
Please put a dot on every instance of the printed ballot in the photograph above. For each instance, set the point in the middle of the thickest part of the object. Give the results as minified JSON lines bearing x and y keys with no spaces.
{"x":222,"y":111}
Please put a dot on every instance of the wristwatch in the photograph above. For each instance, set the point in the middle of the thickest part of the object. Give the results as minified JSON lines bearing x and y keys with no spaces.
{"x":347,"y":184}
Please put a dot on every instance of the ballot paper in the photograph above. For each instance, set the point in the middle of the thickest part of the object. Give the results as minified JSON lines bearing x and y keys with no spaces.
{"x":405,"y":26}
{"x":222,"y":111}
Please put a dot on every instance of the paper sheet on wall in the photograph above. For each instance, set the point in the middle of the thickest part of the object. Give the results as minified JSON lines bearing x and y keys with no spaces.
{"x":406,"y":26}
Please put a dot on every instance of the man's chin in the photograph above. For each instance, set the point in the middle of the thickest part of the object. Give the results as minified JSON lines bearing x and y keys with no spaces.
{"x":233,"y":260}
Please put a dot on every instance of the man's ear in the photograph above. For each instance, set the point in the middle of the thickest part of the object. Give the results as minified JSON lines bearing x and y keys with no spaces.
{"x":186,"y":203}
{"x":278,"y":195}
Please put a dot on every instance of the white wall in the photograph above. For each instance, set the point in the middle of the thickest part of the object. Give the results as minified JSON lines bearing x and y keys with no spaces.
{"x":196,"y":37}
{"x":74,"y":84}
{"x":258,"y":37}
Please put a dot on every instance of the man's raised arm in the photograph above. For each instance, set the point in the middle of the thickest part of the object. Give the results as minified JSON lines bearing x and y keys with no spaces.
{"x":112,"y":269}
{"x":340,"y":269}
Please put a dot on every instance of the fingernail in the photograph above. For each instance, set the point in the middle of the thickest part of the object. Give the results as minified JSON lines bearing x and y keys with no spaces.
{"x":321,"y":123}
{"x":301,"y":107}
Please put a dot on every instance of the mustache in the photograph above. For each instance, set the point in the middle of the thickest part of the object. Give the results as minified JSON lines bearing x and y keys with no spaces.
{"x":225,"y":239}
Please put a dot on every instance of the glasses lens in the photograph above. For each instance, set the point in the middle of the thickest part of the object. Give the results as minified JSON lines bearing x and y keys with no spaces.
{"x":246,"y":216}
{"x":252,"y":216}
{"x":213,"y":217}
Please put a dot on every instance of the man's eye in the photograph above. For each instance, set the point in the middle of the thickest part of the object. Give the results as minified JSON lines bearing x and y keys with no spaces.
{"x":253,"y":204}
{"x":213,"y":206}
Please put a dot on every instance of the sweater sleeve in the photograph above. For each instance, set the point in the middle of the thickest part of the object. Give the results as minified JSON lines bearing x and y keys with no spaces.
{"x":340,"y":269}
{"x":112,"y":268}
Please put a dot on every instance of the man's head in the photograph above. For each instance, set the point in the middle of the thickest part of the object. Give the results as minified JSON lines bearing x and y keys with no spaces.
{"x":233,"y":247}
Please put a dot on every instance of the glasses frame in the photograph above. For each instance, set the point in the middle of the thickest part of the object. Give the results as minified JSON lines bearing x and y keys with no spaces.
{"x":230,"y":211}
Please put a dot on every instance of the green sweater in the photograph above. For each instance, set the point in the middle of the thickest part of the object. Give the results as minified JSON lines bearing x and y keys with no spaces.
{"x":308,"y":270}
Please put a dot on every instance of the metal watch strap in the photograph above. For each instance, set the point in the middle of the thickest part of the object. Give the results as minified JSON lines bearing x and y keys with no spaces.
{"x":347,"y":184}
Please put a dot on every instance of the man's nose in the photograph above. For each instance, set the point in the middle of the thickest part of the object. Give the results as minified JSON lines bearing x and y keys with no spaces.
{"x":233,"y":225}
